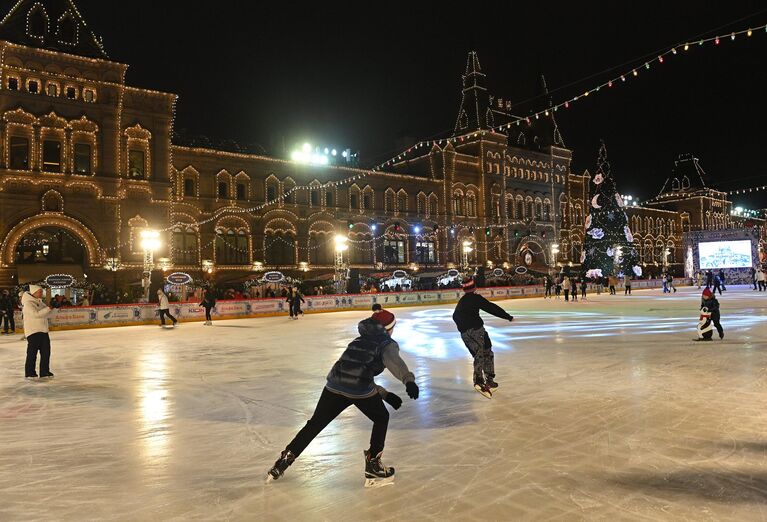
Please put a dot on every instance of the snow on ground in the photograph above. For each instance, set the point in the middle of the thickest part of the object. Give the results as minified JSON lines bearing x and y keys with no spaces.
{"x":606,"y":410}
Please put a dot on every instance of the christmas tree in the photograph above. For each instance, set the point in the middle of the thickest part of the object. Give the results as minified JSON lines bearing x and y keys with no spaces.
{"x":608,"y":246}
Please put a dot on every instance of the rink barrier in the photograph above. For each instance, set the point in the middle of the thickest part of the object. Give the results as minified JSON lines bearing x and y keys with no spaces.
{"x":105,"y":316}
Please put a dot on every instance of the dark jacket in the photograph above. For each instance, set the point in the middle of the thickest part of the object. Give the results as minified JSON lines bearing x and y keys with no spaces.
{"x":365,"y":357}
{"x":466,"y":314}
{"x":208,"y":301}
{"x":7,"y":304}
{"x":712,"y":305}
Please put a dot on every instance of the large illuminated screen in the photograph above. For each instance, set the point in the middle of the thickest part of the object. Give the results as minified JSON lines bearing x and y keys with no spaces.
{"x":725,"y":254}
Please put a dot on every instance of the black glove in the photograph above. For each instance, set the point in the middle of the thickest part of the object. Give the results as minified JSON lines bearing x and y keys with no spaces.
{"x":393,"y":400}
{"x":412,"y":390}
{"x":511,"y":318}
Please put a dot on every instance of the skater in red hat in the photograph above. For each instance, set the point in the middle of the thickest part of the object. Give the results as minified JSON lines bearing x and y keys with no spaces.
{"x":710,"y":302}
{"x":351,"y":381}
{"x":471,"y":326}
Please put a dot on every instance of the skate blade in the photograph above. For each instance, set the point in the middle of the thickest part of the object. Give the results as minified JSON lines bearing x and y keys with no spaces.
{"x":485,"y":393}
{"x":378,"y":482}
{"x":269,"y":478}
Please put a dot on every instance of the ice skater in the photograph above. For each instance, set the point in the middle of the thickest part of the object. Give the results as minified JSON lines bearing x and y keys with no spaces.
{"x":7,"y":307}
{"x":208,"y":302}
{"x":717,"y":284}
{"x":705,"y":326}
{"x":710,"y":303}
{"x":294,"y":302}
{"x":574,"y":288}
{"x":627,"y":285}
{"x":558,"y":289}
{"x":164,"y":308}
{"x":351,"y":381}
{"x":584,"y":286}
{"x":547,"y":284}
{"x":471,"y":326}
{"x":566,"y":287}
{"x":36,"y":332}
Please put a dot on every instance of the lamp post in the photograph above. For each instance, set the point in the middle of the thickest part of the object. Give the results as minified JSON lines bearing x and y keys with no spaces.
{"x":341,"y":242}
{"x":554,"y":252}
{"x":466,"y":250}
{"x":113,"y":265}
{"x":150,"y":241}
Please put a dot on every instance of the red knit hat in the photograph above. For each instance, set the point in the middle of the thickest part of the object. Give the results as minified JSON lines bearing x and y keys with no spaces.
{"x":469,"y":285}
{"x":707,"y":293}
{"x":385,"y":318}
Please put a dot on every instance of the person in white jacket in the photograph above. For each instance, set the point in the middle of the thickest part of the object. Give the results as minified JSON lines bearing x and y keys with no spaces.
{"x":164,"y":308}
{"x":36,"y":331}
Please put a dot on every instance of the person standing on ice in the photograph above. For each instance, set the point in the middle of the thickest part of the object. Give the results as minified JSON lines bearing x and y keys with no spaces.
{"x":470,"y":324}
{"x":566,"y":287}
{"x":710,"y":302}
{"x":36,"y":332}
{"x":208,"y":302}
{"x":164,"y":308}
{"x":351,"y":381}
{"x":294,"y":302}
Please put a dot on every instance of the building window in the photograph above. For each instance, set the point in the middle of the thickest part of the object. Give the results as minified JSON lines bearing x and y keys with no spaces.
{"x":366,"y":201}
{"x":353,"y":201}
{"x":136,"y":163}
{"x":189,"y":187}
{"x":19,"y":153}
{"x":52,"y":89}
{"x":89,"y":95}
{"x":394,"y":251}
{"x":328,"y":199}
{"x":82,"y":153}
{"x":185,"y":245}
{"x":223,"y":190}
{"x":457,"y":204}
{"x":51,"y":156}
{"x":425,"y":252}
{"x":240,"y":191}
{"x":289,"y":197}
{"x":271,"y":193}
{"x":71,"y":92}
{"x":315,"y":198}
{"x":13,"y":84}
{"x":33,"y":86}
{"x":231,"y":248}
{"x":402,"y":203}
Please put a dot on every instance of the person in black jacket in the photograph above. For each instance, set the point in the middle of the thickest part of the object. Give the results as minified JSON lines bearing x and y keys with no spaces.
{"x":7,"y":307}
{"x":710,"y":302}
{"x":471,"y":326}
{"x":208,"y":302}
{"x":294,"y":302}
{"x":351,"y":381}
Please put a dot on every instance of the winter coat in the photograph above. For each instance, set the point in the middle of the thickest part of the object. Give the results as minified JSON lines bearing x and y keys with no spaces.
{"x":365,"y":357}
{"x":7,"y":304}
{"x":35,"y":315}
{"x":208,"y":301}
{"x":466,"y":314}
{"x":163,"y":302}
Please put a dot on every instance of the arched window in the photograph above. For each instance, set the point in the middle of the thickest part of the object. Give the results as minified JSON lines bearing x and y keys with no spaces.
{"x":232,"y":247}
{"x":389,"y":201}
{"x":509,"y":208}
{"x":37,"y":22}
{"x":185,"y":250}
{"x":458,"y":203}
{"x":223,"y":190}
{"x":402,"y":201}
{"x":538,"y":209}
{"x":321,"y":248}
{"x":471,"y":204}
{"x":189,"y":188}
{"x":433,"y":205}
{"x":546,"y":210}
{"x":280,"y":248}
{"x":67,"y":30}
{"x":520,"y":208}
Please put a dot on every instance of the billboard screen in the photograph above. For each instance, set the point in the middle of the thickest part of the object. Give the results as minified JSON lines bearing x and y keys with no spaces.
{"x":725,"y":254}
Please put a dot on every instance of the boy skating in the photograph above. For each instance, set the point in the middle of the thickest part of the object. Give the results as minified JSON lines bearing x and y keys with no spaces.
{"x":710,"y":302}
{"x":351,"y":381}
{"x":471,"y":326}
{"x":36,"y":332}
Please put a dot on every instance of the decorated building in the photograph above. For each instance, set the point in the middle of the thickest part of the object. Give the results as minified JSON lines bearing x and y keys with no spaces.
{"x":87,"y":163}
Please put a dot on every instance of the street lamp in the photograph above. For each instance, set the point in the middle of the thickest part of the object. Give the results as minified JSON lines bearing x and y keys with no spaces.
{"x":150,"y":241}
{"x":341,"y":243}
{"x":467,"y":249}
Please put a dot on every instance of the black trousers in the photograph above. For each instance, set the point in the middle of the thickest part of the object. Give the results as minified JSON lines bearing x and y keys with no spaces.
{"x":165,"y":312}
{"x":8,"y":322}
{"x":627,"y":291}
{"x":38,"y":342}
{"x":207,"y":313}
{"x":717,"y":286}
{"x":715,"y":316}
{"x":330,"y":406}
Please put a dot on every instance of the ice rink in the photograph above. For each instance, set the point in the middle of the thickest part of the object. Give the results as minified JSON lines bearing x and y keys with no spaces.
{"x":607,"y":410}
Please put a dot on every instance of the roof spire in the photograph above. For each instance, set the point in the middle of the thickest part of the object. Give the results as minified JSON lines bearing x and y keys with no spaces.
{"x":475,"y":112}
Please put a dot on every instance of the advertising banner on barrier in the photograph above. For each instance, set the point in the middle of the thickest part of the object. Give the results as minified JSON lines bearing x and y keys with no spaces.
{"x":450,"y":295}
{"x":500,"y":292}
{"x":361,"y":300}
{"x":428,"y":297}
{"x":193,"y":310}
{"x":410,"y":297}
{"x":320,"y":303}
{"x":72,"y":316}
{"x":387,"y":299}
{"x":516,"y":290}
{"x":484,"y":292}
{"x":262,"y":306}
{"x":226,"y":308}
{"x":121,"y":314}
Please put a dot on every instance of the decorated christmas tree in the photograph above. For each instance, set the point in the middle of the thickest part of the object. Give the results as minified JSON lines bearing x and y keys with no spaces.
{"x":608,"y":246}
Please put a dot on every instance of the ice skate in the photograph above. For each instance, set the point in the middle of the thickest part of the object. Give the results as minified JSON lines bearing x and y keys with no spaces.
{"x":491,"y":384}
{"x":286,"y":459}
{"x":48,"y":375}
{"x":376,"y":474}
{"x":484,"y":389}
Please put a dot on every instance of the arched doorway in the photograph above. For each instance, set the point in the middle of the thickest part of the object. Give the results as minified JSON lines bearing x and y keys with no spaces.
{"x":50,"y":244}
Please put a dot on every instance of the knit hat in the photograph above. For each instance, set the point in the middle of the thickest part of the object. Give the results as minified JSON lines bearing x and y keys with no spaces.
{"x":34,"y":288}
{"x":469,"y":285}
{"x":707,"y":293}
{"x":385,"y":318}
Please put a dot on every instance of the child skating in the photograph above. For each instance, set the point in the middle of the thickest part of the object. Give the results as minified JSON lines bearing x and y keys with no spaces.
{"x":710,"y":302}
{"x":351,"y":381}
{"x":471,"y":326}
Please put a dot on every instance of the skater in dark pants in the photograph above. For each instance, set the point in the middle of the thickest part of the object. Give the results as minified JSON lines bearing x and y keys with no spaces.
{"x":627,"y":284}
{"x":547,"y":287}
{"x":164,"y":308}
{"x":584,"y":286}
{"x":574,"y":288}
{"x":294,"y":302}
{"x":351,"y":381}
{"x":721,"y":279}
{"x":208,"y":302}
{"x":717,"y":284}
{"x":36,"y":331}
{"x":7,"y":307}
{"x":710,"y":302}
{"x":471,"y":326}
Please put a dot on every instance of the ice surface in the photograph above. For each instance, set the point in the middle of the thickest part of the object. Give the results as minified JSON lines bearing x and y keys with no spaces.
{"x":606,"y":410}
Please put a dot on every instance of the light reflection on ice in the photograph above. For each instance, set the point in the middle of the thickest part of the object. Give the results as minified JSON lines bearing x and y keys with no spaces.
{"x":153,"y":398}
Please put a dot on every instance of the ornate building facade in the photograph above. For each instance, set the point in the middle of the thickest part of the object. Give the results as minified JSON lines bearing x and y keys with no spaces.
{"x":87,"y":163}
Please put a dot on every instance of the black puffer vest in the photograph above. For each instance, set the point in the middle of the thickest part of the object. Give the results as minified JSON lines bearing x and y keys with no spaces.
{"x":361,"y":361}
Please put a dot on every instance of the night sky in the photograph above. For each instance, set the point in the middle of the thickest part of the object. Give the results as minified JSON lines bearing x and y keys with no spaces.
{"x":339,"y":76}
